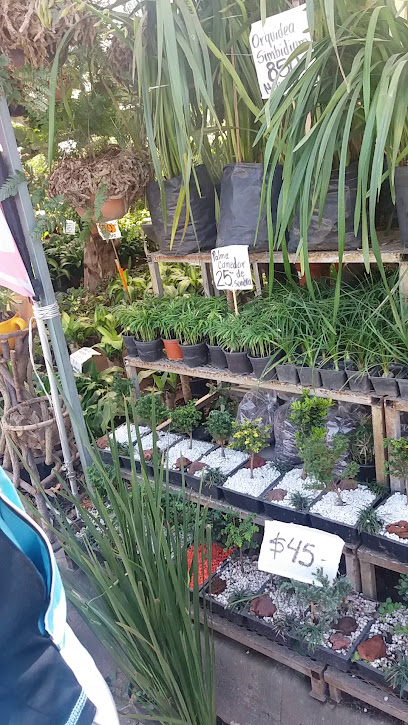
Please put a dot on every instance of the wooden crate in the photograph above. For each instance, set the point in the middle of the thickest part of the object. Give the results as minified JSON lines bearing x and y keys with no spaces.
{"x":369,"y":560}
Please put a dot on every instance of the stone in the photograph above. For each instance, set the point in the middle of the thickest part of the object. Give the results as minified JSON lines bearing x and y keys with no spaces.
{"x":277,"y":494}
{"x":183,"y":462}
{"x":372,"y":649}
{"x":347,"y":484}
{"x":218,"y":585}
{"x":258,"y":462}
{"x":346,"y":625}
{"x":263,"y":606}
{"x":148,"y":454}
{"x":196,"y":466}
{"x":103,"y":442}
{"x":400,"y":528}
{"x":339,"y":641}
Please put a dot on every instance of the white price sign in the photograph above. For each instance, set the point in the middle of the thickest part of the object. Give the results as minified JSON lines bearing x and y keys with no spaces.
{"x":69,"y":226}
{"x":297,"y":552}
{"x":231,"y":268}
{"x":109,"y":230}
{"x":79,"y":357}
{"x":273,"y":43}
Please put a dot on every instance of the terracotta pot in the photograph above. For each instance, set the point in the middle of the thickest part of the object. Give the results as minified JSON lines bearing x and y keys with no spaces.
{"x":112,"y":209}
{"x":173,"y":349}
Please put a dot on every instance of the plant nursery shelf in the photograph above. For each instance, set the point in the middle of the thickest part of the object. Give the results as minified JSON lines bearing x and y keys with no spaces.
{"x":369,"y":561}
{"x":385,"y":701}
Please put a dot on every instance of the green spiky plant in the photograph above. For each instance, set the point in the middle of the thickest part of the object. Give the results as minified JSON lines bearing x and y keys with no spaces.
{"x":140,"y":602}
{"x":299,"y":501}
{"x":396,"y":676}
{"x":219,"y":425}
{"x":368,"y":521}
{"x":250,"y":437}
{"x":142,"y":319}
{"x":185,"y":418}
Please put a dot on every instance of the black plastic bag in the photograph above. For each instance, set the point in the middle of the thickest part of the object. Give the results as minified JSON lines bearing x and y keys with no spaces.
{"x":325,"y":236}
{"x":258,"y":404}
{"x":241,"y":188}
{"x":201,"y":230}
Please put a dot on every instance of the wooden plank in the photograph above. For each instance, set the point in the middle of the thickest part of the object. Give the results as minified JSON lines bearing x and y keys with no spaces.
{"x":377,"y":414}
{"x":207,"y":373}
{"x":207,"y":281}
{"x":257,"y":276}
{"x":365,"y":692}
{"x":353,"y":568}
{"x":154,"y":270}
{"x":368,"y":580}
{"x":369,"y":556}
{"x":392,"y":411}
{"x":131,"y":372}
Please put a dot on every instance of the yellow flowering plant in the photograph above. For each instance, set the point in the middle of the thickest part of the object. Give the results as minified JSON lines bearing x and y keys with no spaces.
{"x":250,"y":437}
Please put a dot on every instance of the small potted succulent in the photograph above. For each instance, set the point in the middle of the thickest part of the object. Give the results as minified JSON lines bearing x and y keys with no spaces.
{"x":220,"y":425}
{"x":142,"y":320}
{"x":229,"y":332}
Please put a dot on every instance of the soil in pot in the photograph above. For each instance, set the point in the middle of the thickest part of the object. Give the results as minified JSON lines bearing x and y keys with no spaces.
{"x":238,"y":363}
{"x":309,"y":376}
{"x":327,"y":515}
{"x":261,"y":367}
{"x":151,"y":350}
{"x":401,"y":200}
{"x":195,"y":356}
{"x":173,"y":349}
{"x":130,"y":345}
{"x":234,"y":584}
{"x":217,"y":356}
{"x":244,"y":492}
{"x":387,"y":384}
{"x":287,"y":373}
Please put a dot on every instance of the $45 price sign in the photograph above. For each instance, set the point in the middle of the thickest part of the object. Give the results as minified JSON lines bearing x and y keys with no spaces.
{"x":297,"y":552}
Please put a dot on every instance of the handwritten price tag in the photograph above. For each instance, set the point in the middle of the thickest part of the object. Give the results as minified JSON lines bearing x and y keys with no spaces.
{"x":231,"y":268}
{"x":109,"y":230}
{"x":297,"y":552}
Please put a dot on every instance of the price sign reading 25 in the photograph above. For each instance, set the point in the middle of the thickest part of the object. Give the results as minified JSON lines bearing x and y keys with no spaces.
{"x":297,"y":552}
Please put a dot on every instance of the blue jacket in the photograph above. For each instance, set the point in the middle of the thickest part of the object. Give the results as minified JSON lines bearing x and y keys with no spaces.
{"x":37,"y":685}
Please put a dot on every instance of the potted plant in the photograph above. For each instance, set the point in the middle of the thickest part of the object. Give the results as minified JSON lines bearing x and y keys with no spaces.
{"x":229,"y":332}
{"x":362,"y":449}
{"x":189,"y":330}
{"x":216,"y":352}
{"x":239,"y":535}
{"x":220,"y":425}
{"x":185,"y":418}
{"x":308,"y":414}
{"x":142,"y":320}
{"x":151,"y":408}
{"x":169,"y":314}
{"x":259,"y":337}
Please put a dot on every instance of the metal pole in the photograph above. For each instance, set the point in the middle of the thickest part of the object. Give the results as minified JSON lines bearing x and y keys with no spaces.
{"x":41,"y":272}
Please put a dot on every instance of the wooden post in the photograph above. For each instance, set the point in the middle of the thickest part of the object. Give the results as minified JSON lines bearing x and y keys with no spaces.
{"x":234,"y":297}
{"x":131,"y":372}
{"x":352,"y":567}
{"x":207,"y":282}
{"x":154,"y":270}
{"x":393,"y":430}
{"x":403,"y":283}
{"x":185,"y":386}
{"x":377,"y":413}
{"x":257,"y":276}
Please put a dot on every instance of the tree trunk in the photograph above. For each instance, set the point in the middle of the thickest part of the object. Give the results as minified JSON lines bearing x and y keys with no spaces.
{"x":252,"y":464}
{"x":99,"y":261}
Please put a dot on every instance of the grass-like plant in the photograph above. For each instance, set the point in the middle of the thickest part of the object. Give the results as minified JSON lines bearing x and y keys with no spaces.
{"x":362,"y":442}
{"x":250,"y":437}
{"x":229,"y":333}
{"x":151,"y":408}
{"x":169,"y":314}
{"x":397,"y":674}
{"x":397,"y":464}
{"x":142,"y":319}
{"x":140,"y":601}
{"x":368,"y":521}
{"x":185,"y":418}
{"x":219,"y":425}
{"x":213,"y":477}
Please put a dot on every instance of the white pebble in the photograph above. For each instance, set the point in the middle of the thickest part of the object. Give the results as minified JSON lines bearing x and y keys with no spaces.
{"x":354,"y":502}
{"x":232,"y":460}
{"x":182,"y":449}
{"x":263,"y":477}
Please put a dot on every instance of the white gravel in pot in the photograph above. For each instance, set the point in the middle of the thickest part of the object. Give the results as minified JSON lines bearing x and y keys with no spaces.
{"x":292,"y":482}
{"x":248,"y":579}
{"x":164,"y":440}
{"x":233,"y":458}
{"x":182,"y":449}
{"x":387,"y":626}
{"x":286,"y":603}
{"x":362,"y":610}
{"x":241,"y":481}
{"x":121,"y":433}
{"x":394,"y":509}
{"x":354,"y":502}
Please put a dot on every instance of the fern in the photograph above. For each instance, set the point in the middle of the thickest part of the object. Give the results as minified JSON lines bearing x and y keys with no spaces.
{"x":10,"y":186}
{"x":100,"y":198}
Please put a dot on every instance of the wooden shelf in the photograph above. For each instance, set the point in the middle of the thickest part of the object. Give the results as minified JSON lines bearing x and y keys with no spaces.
{"x":392,"y":252}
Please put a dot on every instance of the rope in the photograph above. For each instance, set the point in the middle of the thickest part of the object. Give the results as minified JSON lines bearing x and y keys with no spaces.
{"x":41,"y":312}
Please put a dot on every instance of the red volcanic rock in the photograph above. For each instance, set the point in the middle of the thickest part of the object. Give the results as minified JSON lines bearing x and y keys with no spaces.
{"x":339,"y":641}
{"x":182,"y":462}
{"x":277,"y":494}
{"x":263,"y":606}
{"x":258,"y":462}
{"x":372,"y":649}
{"x":196,"y":466}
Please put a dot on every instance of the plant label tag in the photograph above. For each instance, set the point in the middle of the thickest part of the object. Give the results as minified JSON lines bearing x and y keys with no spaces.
{"x":109,"y":230}
{"x":274,"y":42}
{"x":69,"y":226}
{"x":297,"y":552}
{"x":79,"y":357}
{"x":231,"y":267}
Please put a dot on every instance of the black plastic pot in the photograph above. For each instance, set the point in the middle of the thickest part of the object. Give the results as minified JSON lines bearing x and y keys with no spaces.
{"x":385,"y":545}
{"x":238,"y":363}
{"x":195,"y":356}
{"x":359,"y":382}
{"x":130,"y":345}
{"x":350,"y":534}
{"x":244,"y":501}
{"x":150,"y":351}
{"x":366,"y":473}
{"x":259,"y":364}
{"x":309,"y":376}
{"x":401,"y":200}
{"x":240,"y":222}
{"x":387,"y":386}
{"x":374,"y":674}
{"x":283,"y":513}
{"x":287,"y":373}
{"x":217,"y":356}
{"x":333,"y":379}
{"x":403,"y":385}
{"x":198,"y":388}
{"x":199,"y":235}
